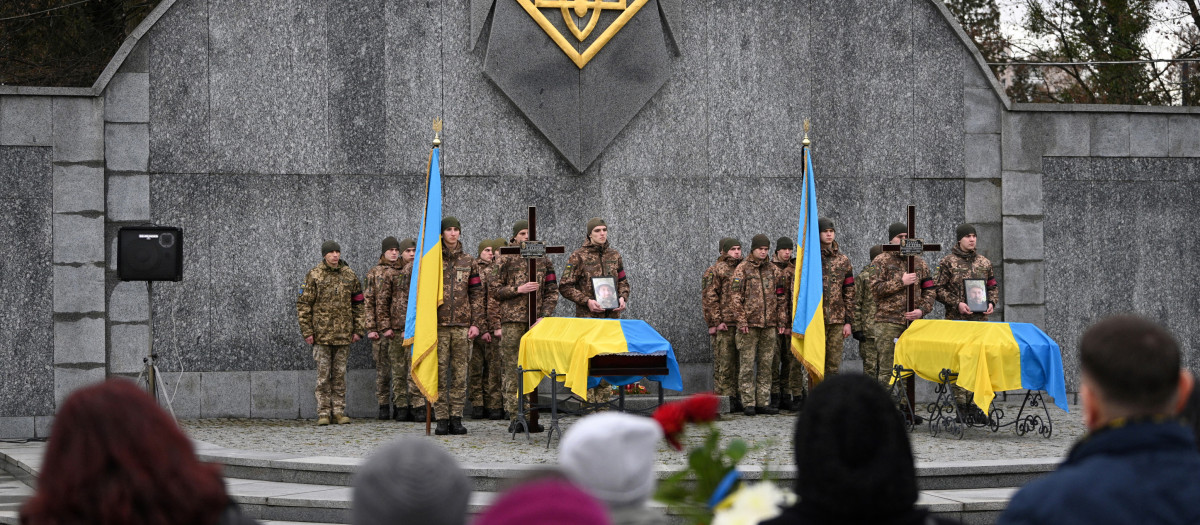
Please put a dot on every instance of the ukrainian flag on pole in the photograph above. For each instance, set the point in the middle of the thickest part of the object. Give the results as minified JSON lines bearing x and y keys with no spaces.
{"x":808,"y":315}
{"x":425,"y":289}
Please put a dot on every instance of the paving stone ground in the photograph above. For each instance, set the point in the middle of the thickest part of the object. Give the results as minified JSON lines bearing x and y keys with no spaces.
{"x":489,"y":442}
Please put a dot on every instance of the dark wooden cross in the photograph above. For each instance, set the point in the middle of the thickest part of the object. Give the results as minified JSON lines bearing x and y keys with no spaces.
{"x":910,"y":249}
{"x":531,"y":250}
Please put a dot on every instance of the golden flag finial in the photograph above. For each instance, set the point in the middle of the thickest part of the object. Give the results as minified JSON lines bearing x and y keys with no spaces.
{"x":437,"y":129}
{"x":806,"y":127}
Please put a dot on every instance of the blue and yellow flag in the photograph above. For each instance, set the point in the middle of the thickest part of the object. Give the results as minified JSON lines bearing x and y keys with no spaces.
{"x":808,"y":315}
{"x":425,"y":289}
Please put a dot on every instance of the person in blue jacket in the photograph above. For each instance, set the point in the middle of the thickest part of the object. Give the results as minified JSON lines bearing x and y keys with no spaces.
{"x":1138,"y":463}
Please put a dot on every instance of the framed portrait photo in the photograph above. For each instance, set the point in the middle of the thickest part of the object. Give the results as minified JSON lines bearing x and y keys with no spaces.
{"x":605,"y":290}
{"x":975,"y":290}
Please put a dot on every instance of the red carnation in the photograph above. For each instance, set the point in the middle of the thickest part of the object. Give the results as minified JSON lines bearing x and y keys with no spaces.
{"x":701,"y":408}
{"x":672,"y":418}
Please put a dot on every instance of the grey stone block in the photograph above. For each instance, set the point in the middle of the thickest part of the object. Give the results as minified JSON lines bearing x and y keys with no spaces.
{"x":306,"y":398}
{"x":1033,"y":314}
{"x":129,"y":302}
{"x":982,"y":156}
{"x":1024,"y":282}
{"x":138,"y":59}
{"x":1022,"y":193}
{"x":360,"y":393}
{"x":990,"y":243}
{"x":1023,"y":239}
{"x":1070,"y":134}
{"x":42,"y":425}
{"x":19,"y":427}
{"x":1184,"y":135}
{"x":78,"y":289}
{"x":26,"y":121}
{"x":1024,"y":140}
{"x":1149,"y":135}
{"x":938,"y":98}
{"x":185,"y":392}
{"x":78,"y":129}
{"x":78,"y":188}
{"x":974,"y":76}
{"x":129,"y":345}
{"x":127,"y":147}
{"x":225,"y":394}
{"x":129,"y":198}
{"x":273,"y":394}
{"x":79,"y":341}
{"x":982,"y":200}
{"x":982,"y":110}
{"x":78,"y":239}
{"x":127,"y":98}
{"x":68,"y":379}
{"x":1110,"y":135}
{"x":177,"y":49}
{"x":357,"y":108}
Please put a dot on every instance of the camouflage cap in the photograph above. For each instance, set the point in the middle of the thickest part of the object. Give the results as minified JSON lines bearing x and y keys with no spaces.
{"x":824,"y":224}
{"x":784,"y":243}
{"x":451,"y":222}
{"x":390,"y":243}
{"x":963,"y":230}
{"x":593,"y":223}
{"x":729,"y":243}
{"x":330,"y":246}
{"x":760,"y":241}
{"x":408,"y":243}
{"x":522,"y":225}
{"x":484,"y":244}
{"x":896,"y":228}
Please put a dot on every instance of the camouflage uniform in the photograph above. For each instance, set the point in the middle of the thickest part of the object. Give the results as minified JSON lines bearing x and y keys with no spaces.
{"x":593,"y":260}
{"x":404,"y":390}
{"x":758,"y":304}
{"x":717,"y":304}
{"x":377,"y":312}
{"x":785,"y":363}
{"x":838,"y":301}
{"x":330,"y":309}
{"x":484,"y":373}
{"x":512,"y":313}
{"x":462,"y":307}
{"x":951,"y":270}
{"x":864,"y":321}
{"x":891,"y":303}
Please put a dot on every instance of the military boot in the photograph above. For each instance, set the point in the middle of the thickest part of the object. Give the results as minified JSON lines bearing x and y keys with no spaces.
{"x":456,"y":426}
{"x":785,"y":402}
{"x":323,"y":421}
{"x":774,"y":402}
{"x":443,"y":427}
{"x":748,"y":411}
{"x":403,"y":413}
{"x":342,"y":419}
{"x":418,"y":413}
{"x":735,"y":404}
{"x":768,"y":410}
{"x":477,"y":412}
{"x":495,"y":414}
{"x":385,"y":411}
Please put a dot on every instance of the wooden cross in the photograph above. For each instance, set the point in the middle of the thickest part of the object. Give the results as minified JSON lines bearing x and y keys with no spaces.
{"x":911,"y":248}
{"x":531,"y":250}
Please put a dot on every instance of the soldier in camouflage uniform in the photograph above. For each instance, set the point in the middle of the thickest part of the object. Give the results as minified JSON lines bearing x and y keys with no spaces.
{"x":784,"y":363}
{"x":510,"y":288}
{"x":595,"y":259}
{"x":837,"y":298}
{"x":459,"y":318}
{"x":380,"y":329}
{"x":963,"y":263}
{"x":863,"y":327}
{"x":484,"y":373}
{"x":330,"y":312}
{"x":405,"y":394}
{"x":758,"y":304}
{"x":717,"y":303}
{"x":888,"y":287}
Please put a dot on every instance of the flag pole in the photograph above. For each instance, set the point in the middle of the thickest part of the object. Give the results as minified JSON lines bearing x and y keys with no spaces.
{"x":437,"y":142}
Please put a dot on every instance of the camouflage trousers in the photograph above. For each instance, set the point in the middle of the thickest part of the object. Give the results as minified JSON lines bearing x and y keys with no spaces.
{"x":885,"y":349}
{"x":603,"y":393}
{"x":454,"y":357}
{"x":792,"y":374}
{"x":835,"y":346}
{"x":404,"y":390}
{"x":725,"y":365}
{"x":331,"y":379}
{"x":509,"y":347}
{"x":962,"y":396}
{"x":869,"y":353}
{"x":483,"y":382}
{"x":383,"y":369}
{"x":756,"y":350}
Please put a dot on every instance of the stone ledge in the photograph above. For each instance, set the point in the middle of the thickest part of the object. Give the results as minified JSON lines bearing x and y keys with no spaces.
{"x":26,"y":121}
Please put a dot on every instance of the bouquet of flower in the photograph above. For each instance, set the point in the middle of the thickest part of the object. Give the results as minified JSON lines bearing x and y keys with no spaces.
{"x":711,"y":472}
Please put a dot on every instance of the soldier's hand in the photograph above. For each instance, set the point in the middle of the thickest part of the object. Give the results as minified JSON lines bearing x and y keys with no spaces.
{"x":743,"y":329}
{"x":908,"y":279}
{"x":374,"y":336}
{"x":356,"y":338}
{"x":308,"y":339}
{"x":496,"y":335}
{"x":487,"y":337}
{"x":621,"y":302}
{"x":914,"y":315}
{"x":783,"y":330}
{"x":389,"y":334}
{"x":846,"y":330}
{"x":472,"y":332}
{"x":712,"y":330}
{"x":594,"y":306}
{"x":963,"y":308}
{"x":722,"y":327}
{"x":528,"y":287}
{"x":991,"y":308}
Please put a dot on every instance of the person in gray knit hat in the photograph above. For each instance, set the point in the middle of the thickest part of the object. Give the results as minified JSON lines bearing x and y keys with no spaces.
{"x":410,"y":480}
{"x":330,"y":313}
{"x":611,"y":456}
{"x":758,"y":304}
{"x":716,"y":300}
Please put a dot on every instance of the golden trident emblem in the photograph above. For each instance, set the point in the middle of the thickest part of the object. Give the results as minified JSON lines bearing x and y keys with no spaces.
{"x":581,"y":9}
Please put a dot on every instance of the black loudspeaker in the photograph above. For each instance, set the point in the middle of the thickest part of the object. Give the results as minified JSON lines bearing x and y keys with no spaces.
{"x":150,"y":253}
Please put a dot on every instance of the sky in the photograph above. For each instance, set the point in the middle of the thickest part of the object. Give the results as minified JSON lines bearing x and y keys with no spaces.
{"x":1012,"y":16}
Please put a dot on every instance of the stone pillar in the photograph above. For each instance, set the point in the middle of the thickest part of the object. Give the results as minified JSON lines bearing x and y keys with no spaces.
{"x":982,"y":200}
